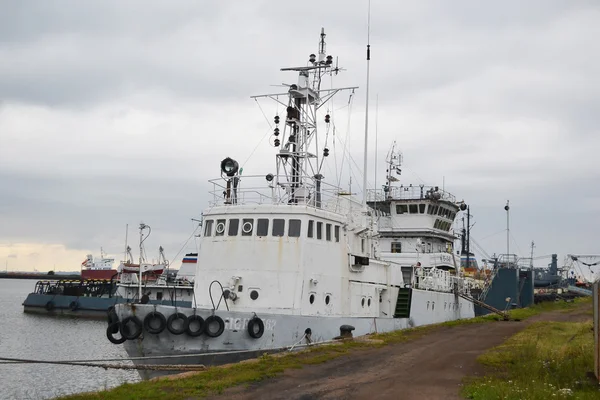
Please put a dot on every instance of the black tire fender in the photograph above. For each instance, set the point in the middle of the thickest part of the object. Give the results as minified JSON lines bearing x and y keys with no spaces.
{"x":210,"y":320}
{"x":148,"y":322}
{"x":256,"y":327}
{"x":172,"y":319}
{"x":112,"y":317}
{"x":200,"y":330}
{"x":131,"y":334}
{"x":50,"y":305}
{"x":74,"y":305}
{"x":112,"y":329}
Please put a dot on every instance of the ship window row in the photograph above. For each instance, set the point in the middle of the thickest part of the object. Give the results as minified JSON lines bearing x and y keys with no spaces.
{"x":315,"y":231}
{"x":442,"y":225}
{"x":411,"y":208}
{"x":278,"y":228}
{"x":251,"y":227}
{"x":441,"y":211}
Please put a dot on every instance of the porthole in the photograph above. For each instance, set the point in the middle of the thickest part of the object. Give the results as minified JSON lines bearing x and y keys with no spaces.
{"x":369,"y":302}
{"x":220,"y":228}
{"x":311,"y":298}
{"x":254,"y":295}
{"x":362,"y":302}
{"x":247,"y":227}
{"x":327,"y":299}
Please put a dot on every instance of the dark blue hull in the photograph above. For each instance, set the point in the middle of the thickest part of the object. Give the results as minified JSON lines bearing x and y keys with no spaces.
{"x":84,"y":307}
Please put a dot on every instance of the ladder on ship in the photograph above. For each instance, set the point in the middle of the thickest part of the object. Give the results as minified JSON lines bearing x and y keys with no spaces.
{"x":481,"y":304}
{"x":403,"y":303}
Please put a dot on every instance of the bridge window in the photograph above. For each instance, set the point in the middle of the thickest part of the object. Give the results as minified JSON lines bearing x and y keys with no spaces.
{"x":401,"y":209}
{"x":452,"y":215}
{"x":319,"y":230}
{"x":247,"y":227}
{"x":413,"y":208}
{"x":294,"y":228}
{"x":220,"y":229}
{"x":328,"y":232}
{"x":337,"y":233}
{"x":422,"y":208}
{"x":262,"y":227}
{"x":311,"y":228}
{"x":234,"y":226}
{"x":396,"y":247}
{"x":208,"y":224}
{"x":278,"y":227}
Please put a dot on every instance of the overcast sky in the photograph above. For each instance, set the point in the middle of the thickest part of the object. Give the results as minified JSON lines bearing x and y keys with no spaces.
{"x":116,"y":112}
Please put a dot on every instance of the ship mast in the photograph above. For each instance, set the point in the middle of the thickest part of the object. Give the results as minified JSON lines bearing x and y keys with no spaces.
{"x":299,"y":161}
{"x":367,"y":109}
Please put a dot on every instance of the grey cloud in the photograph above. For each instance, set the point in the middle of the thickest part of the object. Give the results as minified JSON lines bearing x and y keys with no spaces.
{"x":118,"y":112}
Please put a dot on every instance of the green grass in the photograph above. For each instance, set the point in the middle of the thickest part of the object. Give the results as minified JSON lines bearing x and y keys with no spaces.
{"x":559,"y":305}
{"x":216,"y":379}
{"x":548,"y":360}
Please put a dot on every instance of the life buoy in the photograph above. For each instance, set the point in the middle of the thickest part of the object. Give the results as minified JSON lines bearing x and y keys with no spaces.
{"x":111,"y":330}
{"x":74,"y":305}
{"x":50,"y":305}
{"x":155,"y":315}
{"x":192,"y":319}
{"x":172,"y":319}
{"x":210,"y":321}
{"x":131,"y":334}
{"x":256,"y":327}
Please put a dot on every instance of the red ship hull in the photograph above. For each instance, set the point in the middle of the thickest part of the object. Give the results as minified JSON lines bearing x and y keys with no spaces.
{"x":106,"y":274}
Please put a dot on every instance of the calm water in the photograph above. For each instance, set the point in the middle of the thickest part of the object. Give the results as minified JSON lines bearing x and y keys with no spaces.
{"x":49,"y":338}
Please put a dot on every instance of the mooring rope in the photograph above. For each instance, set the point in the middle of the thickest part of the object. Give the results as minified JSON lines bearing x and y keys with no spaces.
{"x":159,"y":367}
{"x":156,"y":367}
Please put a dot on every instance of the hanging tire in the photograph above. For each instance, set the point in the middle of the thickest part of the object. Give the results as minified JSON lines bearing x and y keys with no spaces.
{"x":256,"y":327}
{"x":210,"y":321}
{"x":131,"y":334}
{"x":155,"y":315}
{"x":192,"y":319}
{"x":74,"y":305}
{"x":112,"y":329}
{"x":173,"y":318}
{"x":50,"y":306}
{"x":112,"y":318}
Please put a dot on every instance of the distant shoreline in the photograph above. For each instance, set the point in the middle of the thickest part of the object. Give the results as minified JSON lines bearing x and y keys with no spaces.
{"x":39,"y":276}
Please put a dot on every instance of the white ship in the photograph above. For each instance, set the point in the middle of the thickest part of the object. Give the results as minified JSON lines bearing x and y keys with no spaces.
{"x":287,"y":258}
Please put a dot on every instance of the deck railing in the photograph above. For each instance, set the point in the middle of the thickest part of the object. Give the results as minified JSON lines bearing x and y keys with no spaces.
{"x":410,"y":192}
{"x":255,"y":189}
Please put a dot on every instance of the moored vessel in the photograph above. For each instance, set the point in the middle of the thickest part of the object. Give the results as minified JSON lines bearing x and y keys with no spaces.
{"x":288,"y":259}
{"x":93,"y":298}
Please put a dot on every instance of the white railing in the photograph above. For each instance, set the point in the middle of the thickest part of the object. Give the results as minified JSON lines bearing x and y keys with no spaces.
{"x":255,"y":189}
{"x":410,"y":193}
{"x":440,"y":281}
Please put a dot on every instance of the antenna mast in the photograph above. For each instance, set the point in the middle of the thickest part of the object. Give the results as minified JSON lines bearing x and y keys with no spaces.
{"x":367,"y":108}
{"x":506,"y":207}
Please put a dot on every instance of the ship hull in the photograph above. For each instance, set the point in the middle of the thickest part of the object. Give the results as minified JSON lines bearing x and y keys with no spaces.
{"x":98,"y":274}
{"x":281,"y":331}
{"x":80,"y":306}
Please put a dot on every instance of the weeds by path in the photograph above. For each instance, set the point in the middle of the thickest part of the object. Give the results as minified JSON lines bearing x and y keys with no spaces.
{"x":548,"y":360}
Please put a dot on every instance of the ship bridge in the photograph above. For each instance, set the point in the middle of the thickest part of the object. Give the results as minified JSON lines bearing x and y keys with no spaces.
{"x":415,"y":210}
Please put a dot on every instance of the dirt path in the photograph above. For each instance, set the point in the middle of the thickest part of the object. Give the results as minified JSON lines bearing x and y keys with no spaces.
{"x":430,"y":367}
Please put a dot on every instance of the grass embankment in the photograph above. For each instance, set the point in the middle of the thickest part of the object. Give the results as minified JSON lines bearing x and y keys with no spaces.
{"x":546,"y":360}
{"x":216,"y":379}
